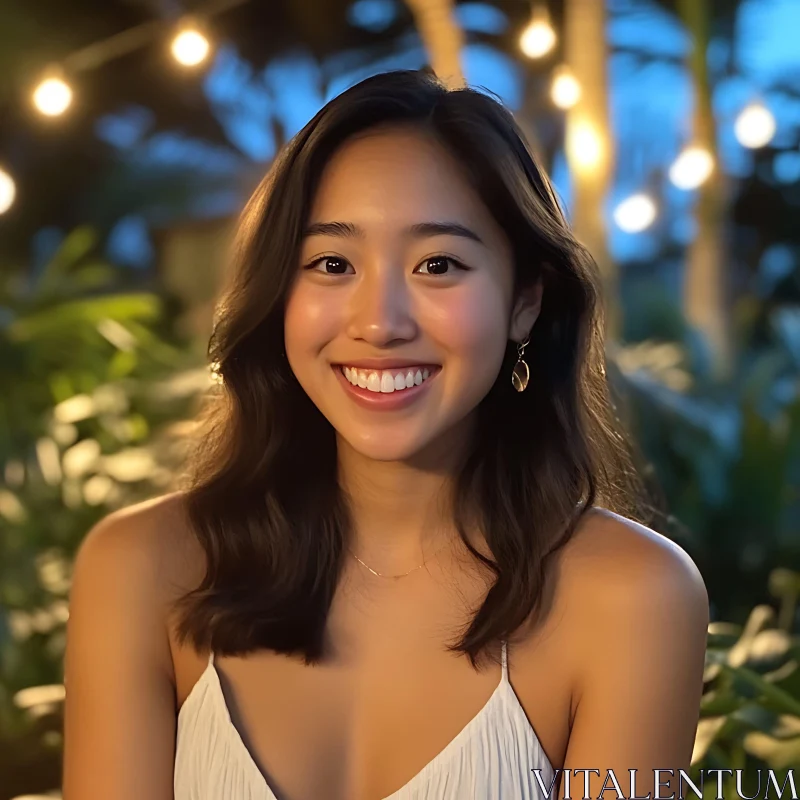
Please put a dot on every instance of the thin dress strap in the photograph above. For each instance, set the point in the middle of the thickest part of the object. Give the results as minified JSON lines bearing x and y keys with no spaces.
{"x":504,"y":656}
{"x":211,"y":658}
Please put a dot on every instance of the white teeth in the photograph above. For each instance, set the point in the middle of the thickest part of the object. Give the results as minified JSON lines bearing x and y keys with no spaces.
{"x":385,"y":381}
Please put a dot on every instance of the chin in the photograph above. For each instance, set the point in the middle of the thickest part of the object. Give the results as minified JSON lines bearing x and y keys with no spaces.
{"x":381,"y":447}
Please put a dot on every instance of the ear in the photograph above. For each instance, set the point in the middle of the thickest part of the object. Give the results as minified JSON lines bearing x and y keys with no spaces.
{"x":526,"y":312}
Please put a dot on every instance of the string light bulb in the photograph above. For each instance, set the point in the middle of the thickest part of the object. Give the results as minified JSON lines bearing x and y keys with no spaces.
{"x":538,"y":38}
{"x":584,"y":146}
{"x":53,"y":95}
{"x":8,"y":191}
{"x":635,"y":214}
{"x":755,"y":126}
{"x":190,"y":46}
{"x":691,"y":168}
{"x":565,"y":90}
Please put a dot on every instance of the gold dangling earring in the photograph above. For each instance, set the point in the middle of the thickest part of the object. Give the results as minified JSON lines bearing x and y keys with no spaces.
{"x":521,"y":373}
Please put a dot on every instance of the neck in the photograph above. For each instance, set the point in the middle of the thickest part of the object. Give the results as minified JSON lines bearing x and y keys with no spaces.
{"x":401,"y":510}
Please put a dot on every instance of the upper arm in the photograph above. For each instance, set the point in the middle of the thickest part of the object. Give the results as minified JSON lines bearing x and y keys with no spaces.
{"x":643,"y":653}
{"x":120,"y":709}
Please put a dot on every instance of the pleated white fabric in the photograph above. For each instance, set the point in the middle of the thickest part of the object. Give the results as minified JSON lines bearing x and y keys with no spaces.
{"x":494,"y":757}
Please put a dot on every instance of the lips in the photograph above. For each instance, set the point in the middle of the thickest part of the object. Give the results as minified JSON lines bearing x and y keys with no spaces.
{"x":386,"y":364}
{"x":385,"y":401}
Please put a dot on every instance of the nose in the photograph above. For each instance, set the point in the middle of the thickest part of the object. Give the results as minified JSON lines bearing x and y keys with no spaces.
{"x":380,"y":308}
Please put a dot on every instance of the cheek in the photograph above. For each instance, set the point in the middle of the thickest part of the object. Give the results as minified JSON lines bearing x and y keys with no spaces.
{"x":472,"y":323}
{"x":311,"y":319}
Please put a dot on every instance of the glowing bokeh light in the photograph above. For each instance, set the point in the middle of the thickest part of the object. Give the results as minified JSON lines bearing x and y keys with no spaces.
{"x":691,"y":168}
{"x":8,"y":191}
{"x":538,"y":38}
{"x":190,"y":47}
{"x":52,"y":96}
{"x":565,"y":90}
{"x":584,"y":146}
{"x":635,"y":214}
{"x":755,"y":126}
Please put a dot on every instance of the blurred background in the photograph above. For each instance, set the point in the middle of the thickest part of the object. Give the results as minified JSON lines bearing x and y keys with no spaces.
{"x":132,"y":132}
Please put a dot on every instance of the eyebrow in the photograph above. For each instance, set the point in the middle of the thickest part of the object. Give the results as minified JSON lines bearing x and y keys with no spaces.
{"x":420,"y":230}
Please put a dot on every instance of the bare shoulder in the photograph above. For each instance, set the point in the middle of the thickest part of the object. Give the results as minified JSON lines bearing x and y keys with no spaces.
{"x":638,"y":621}
{"x":147,"y":552}
{"x":622,"y":561}
{"x":620,"y":581}
{"x":152,"y":540}
{"x":143,"y":523}
{"x":118,"y":670}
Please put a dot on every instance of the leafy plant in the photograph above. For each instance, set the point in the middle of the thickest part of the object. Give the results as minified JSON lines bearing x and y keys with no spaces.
{"x":726,"y":456}
{"x":750,"y":711}
{"x":96,"y":391}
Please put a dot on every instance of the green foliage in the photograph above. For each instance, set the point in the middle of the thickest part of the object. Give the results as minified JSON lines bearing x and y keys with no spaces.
{"x":726,"y":456}
{"x":750,"y":711}
{"x":727,"y":460}
{"x":95,"y":392}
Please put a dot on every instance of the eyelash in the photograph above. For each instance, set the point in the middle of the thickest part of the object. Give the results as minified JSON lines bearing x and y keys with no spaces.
{"x":452,"y":260}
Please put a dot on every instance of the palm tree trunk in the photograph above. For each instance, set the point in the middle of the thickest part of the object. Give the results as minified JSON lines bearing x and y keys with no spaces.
{"x":442,"y":37}
{"x":705,"y":281}
{"x":587,"y":124}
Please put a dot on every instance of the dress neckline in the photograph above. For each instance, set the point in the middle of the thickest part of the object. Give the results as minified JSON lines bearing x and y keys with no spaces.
{"x":503,"y":691}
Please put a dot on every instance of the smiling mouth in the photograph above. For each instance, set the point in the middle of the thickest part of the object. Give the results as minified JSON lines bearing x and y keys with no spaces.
{"x":380,"y":391}
{"x":388,"y":381}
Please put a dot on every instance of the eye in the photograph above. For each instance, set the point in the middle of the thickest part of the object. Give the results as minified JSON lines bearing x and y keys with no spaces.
{"x":439,"y":265}
{"x":337,"y":265}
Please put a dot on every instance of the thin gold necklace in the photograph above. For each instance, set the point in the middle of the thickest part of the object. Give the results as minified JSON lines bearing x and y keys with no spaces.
{"x":395,"y":577}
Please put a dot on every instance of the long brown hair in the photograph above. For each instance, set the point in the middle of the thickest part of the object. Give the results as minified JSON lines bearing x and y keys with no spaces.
{"x":262,"y":494}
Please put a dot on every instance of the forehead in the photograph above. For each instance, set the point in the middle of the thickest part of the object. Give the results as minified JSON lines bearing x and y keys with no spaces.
{"x":394,"y":177}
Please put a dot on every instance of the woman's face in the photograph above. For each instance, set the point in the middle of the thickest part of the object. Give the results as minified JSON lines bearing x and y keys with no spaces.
{"x":405,"y":277}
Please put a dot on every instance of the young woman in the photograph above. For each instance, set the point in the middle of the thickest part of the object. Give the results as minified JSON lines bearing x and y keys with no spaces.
{"x":410,"y":562}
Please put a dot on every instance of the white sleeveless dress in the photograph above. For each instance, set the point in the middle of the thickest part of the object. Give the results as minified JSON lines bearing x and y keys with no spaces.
{"x":496,"y":756}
